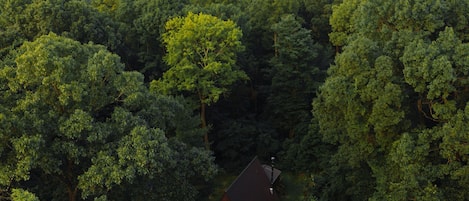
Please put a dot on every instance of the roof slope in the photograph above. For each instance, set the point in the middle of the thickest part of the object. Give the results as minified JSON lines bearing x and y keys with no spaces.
{"x":251,"y":185}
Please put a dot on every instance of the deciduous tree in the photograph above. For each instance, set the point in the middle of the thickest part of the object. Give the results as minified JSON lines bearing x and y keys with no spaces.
{"x":394,"y":100}
{"x":201,"y":50}
{"x":81,"y":126}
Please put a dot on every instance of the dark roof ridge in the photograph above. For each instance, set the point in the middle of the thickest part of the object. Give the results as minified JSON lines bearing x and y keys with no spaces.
{"x":242,"y":172}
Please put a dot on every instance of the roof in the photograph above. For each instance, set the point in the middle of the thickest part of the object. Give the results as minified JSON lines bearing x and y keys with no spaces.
{"x":252,"y":184}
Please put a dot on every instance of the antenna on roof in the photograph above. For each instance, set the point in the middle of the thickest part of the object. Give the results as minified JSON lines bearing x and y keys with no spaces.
{"x":272,"y":158}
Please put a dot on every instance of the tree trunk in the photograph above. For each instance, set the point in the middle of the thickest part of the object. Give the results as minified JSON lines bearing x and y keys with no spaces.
{"x":291,"y":133}
{"x":72,"y":193}
{"x":72,"y":189}
{"x":275,"y":45}
{"x":204,"y":125}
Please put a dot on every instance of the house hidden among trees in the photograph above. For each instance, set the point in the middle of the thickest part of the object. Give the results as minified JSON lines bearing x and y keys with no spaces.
{"x":255,"y":183}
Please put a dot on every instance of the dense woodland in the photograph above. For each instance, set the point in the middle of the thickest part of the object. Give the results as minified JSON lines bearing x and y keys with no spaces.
{"x":164,"y":99}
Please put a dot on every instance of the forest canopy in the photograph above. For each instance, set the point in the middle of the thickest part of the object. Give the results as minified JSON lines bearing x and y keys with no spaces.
{"x":170,"y":99}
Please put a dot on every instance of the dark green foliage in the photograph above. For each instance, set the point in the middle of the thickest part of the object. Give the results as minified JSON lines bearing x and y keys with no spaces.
{"x":148,"y":27}
{"x":306,"y":153}
{"x":142,"y":23}
{"x":27,"y":20}
{"x":75,"y":125}
{"x":239,"y":140}
{"x":390,"y":101}
{"x":293,"y":75}
{"x":388,"y":120}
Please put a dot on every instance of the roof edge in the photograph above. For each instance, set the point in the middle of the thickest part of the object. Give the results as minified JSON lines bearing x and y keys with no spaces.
{"x":240,"y":174}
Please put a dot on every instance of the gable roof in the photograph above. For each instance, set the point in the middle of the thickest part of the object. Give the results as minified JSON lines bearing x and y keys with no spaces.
{"x":252,"y":184}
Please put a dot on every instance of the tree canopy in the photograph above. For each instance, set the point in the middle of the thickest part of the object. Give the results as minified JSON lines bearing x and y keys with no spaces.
{"x":390,"y":101}
{"x":77,"y":125}
{"x":202,"y":54}
{"x":169,"y":100}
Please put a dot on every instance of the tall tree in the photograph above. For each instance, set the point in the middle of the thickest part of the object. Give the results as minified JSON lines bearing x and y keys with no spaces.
{"x":294,"y":76}
{"x":80,"y":126}
{"x":201,"y":50}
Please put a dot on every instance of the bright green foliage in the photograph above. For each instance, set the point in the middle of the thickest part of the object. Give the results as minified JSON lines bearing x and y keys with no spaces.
{"x":202,"y":54}
{"x":201,"y":50}
{"x":22,"y":195}
{"x":224,"y":11}
{"x":395,"y":100}
{"x":112,"y":7}
{"x":86,"y":128}
{"x":343,"y":21}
